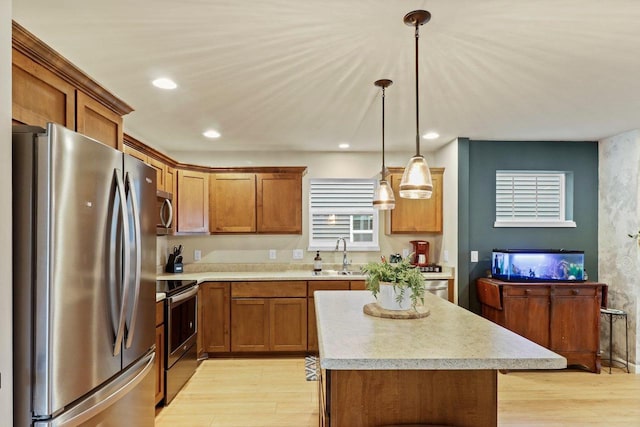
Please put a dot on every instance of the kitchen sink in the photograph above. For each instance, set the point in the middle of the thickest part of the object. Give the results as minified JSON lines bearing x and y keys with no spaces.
{"x":333,"y":273}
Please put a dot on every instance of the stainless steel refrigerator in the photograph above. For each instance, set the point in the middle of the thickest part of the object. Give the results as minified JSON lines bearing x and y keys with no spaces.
{"x":84,"y":282}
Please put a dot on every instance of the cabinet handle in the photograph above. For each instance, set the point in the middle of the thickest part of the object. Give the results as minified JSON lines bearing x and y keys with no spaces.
{"x":575,"y":291}
{"x":527,"y":291}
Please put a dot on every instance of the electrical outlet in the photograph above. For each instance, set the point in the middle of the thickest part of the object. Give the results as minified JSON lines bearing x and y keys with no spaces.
{"x":197,"y":255}
{"x":405,"y":253}
{"x":474,"y":256}
{"x":272,"y":254}
{"x":445,"y":256}
{"x":298,"y":254}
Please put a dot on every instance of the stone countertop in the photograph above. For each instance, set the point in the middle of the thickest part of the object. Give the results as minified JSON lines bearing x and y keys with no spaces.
{"x":449,"y":338}
{"x":160,"y":296}
{"x":226,"y":276}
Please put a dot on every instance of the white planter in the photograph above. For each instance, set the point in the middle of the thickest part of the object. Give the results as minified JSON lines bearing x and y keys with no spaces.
{"x":387,"y":297}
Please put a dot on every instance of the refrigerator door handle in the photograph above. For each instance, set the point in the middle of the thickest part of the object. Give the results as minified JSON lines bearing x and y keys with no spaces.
{"x":135,"y":212}
{"x":103,"y":399}
{"x":125,"y":265}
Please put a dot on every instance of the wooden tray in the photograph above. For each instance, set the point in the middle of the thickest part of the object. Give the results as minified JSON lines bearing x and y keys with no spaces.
{"x":373,"y":309}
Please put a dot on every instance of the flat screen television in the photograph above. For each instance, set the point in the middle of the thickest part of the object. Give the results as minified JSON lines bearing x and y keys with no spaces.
{"x":537,"y":265}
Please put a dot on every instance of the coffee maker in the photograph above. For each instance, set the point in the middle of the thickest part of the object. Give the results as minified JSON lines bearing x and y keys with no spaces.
{"x":420,"y":253}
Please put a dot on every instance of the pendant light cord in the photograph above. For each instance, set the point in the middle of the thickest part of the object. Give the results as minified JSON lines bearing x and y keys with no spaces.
{"x":417,"y":102}
{"x":382,"y":173}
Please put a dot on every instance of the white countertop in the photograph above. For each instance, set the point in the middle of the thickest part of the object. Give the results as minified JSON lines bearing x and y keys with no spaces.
{"x":449,"y":338}
{"x":160,"y":296}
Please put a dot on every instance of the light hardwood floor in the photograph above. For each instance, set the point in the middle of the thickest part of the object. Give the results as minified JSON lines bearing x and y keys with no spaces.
{"x":274,"y":392}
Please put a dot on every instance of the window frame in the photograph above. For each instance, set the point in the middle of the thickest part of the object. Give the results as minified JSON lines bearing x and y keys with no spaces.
{"x":316,"y":244}
{"x":564,"y":220}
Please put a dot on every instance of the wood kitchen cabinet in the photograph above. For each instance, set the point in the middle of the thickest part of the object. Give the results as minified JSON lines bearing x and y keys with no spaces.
{"x":279,"y":203}
{"x":160,"y":343}
{"x":216,"y":317}
{"x":564,"y":317}
{"x":412,"y":216}
{"x":192,"y":202}
{"x":161,"y":173}
{"x":261,"y":202}
{"x":319,"y":285}
{"x":135,"y":153}
{"x":232,"y":198}
{"x":269,"y":316}
{"x":48,"y":88}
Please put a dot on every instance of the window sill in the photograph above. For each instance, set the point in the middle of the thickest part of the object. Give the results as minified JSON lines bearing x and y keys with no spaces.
{"x":535,"y":224}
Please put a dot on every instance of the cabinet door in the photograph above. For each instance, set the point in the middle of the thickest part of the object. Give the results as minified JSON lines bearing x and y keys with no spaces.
{"x":279,"y":203}
{"x":159,"y":363}
{"x":170,"y":180}
{"x":39,"y":96}
{"x":232,"y":203}
{"x":526,"y":312}
{"x":250,"y":324}
{"x":288,"y":324}
{"x":135,"y":153}
{"x":216,"y":317}
{"x":161,"y":169}
{"x":98,"y":122}
{"x":575,"y":320}
{"x":193,"y":202}
{"x":416,"y":216}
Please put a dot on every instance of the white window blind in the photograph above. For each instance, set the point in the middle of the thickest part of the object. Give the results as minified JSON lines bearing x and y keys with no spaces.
{"x":531,"y":199}
{"x":342,"y":208}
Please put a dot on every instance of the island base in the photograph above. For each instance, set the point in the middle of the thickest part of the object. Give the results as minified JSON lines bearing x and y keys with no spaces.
{"x":358,"y":398}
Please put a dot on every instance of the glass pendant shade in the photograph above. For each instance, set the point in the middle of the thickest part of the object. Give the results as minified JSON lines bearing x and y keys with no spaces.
{"x":416,"y":179}
{"x":383,"y":197}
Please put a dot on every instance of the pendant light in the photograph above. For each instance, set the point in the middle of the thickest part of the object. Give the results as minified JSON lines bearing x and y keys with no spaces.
{"x":416,"y":179}
{"x":383,"y":197}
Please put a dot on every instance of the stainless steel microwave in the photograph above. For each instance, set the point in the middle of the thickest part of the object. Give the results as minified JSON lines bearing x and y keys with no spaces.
{"x":164,"y":216}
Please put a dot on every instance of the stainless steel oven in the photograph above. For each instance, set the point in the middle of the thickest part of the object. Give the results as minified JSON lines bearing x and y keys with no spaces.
{"x":181,"y":329}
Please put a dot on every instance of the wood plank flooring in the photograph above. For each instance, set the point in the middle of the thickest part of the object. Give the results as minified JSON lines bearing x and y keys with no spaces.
{"x":274,"y":392}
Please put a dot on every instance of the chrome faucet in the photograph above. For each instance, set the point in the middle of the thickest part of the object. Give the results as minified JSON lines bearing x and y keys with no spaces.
{"x":345,"y":261}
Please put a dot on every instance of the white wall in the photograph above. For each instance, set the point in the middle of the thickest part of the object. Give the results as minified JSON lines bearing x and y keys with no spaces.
{"x":6,"y":394}
{"x":235,"y":248}
{"x":619,"y":255}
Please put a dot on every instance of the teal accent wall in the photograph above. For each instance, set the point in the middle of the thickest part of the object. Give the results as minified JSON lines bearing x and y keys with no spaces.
{"x":478,"y":163}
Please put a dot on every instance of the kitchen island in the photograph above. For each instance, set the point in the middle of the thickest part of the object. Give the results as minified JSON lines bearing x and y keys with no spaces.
{"x":441,"y":369}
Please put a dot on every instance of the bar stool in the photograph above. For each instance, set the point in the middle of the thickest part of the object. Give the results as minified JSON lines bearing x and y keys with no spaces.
{"x":614,"y":313}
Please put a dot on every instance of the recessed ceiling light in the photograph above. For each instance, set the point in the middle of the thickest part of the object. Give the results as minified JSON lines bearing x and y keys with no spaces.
{"x":164,"y":83}
{"x":344,"y":146}
{"x":211,"y":133}
{"x":431,"y":135}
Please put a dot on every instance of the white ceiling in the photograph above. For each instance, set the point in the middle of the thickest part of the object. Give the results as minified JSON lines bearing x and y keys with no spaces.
{"x":298,"y":75}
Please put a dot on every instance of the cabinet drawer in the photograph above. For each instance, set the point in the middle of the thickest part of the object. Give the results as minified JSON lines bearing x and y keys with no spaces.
{"x":334,"y":285}
{"x":269,"y":289}
{"x":159,"y":312}
{"x":519,"y":291}
{"x":577,"y":291}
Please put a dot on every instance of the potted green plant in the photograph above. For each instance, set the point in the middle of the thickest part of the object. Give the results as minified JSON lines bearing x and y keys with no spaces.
{"x":396,"y":286}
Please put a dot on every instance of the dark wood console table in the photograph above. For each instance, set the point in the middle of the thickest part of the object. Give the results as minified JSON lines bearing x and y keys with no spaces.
{"x":563,"y":317}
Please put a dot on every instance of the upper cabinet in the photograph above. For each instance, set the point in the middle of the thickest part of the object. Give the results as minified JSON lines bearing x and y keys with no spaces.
{"x":192,"y":202}
{"x":48,"y":88}
{"x":232,"y":199}
{"x":261,"y":202}
{"x":412,"y":216}
{"x":279,"y":203}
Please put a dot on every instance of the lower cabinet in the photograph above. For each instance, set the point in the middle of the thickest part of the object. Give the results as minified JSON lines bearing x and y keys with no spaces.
{"x":159,"y":351}
{"x":216,"y":317}
{"x":563,"y":317}
{"x":268,"y":316}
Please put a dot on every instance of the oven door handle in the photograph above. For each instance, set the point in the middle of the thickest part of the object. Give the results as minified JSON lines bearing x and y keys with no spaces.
{"x":183,"y":295}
